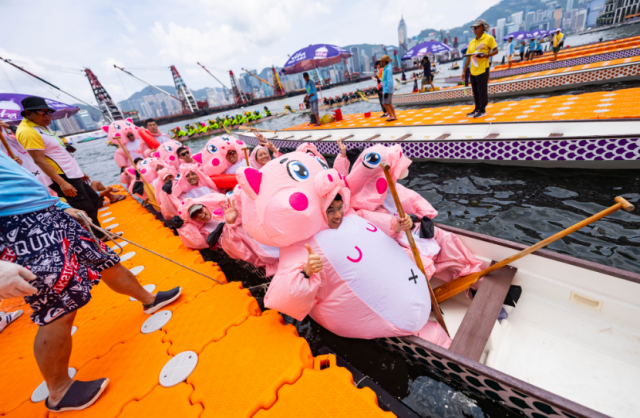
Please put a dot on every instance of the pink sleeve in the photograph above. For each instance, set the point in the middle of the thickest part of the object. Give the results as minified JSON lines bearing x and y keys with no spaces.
{"x":415,"y":204}
{"x":382,"y":220}
{"x":125,"y":179}
{"x":191,"y":237}
{"x":120,"y":158}
{"x":341,"y":164}
{"x":277,"y":154}
{"x":290,"y":292}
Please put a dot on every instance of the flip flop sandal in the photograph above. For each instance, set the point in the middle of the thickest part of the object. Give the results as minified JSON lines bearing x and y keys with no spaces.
{"x":119,"y":198}
{"x":80,"y":395}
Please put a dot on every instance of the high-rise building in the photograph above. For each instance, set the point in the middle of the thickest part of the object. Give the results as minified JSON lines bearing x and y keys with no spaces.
{"x":465,"y":36}
{"x":402,"y":32}
{"x":593,"y":11}
{"x":69,"y":125}
{"x":557,"y":17}
{"x":355,"y":59}
{"x":530,"y":19}
{"x":85,"y":120}
{"x":579,"y":20}
{"x":516,"y":18}
{"x":500,"y":27}
{"x":569,"y":5}
{"x":540,"y":15}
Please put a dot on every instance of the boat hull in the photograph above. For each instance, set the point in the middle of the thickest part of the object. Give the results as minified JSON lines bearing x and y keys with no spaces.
{"x":531,"y":85}
{"x":620,"y":151}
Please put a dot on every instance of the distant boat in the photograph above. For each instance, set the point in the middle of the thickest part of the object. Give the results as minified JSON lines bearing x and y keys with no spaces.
{"x":85,"y":137}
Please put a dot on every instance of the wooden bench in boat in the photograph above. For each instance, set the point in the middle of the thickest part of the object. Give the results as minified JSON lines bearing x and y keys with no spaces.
{"x":478,"y":322}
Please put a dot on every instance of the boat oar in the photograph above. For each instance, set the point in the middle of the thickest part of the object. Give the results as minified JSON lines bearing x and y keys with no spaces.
{"x":416,"y":255}
{"x":461,"y":284}
{"x":6,"y":145}
{"x":362,"y":95}
{"x":147,"y":186}
{"x":246,"y":155}
{"x":226,"y":129}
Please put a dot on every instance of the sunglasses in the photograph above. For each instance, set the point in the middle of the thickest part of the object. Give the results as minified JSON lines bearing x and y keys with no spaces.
{"x":184,"y":153}
{"x":44,"y":112}
{"x":231,"y":153}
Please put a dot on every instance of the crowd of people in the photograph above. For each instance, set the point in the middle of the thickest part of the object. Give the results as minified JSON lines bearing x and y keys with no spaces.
{"x":324,"y":234}
{"x":217,"y":124}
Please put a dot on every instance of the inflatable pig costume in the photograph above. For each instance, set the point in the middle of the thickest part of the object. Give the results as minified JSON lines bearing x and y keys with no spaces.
{"x":368,"y":288}
{"x":444,"y":255}
{"x":214,"y":155}
{"x":118,"y":130}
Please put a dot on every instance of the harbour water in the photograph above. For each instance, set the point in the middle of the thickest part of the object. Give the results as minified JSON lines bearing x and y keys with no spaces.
{"x":524,"y":205}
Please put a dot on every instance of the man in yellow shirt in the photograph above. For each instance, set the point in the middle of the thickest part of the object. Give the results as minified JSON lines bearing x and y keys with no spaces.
{"x":558,"y":40}
{"x":480,"y":49}
{"x":50,"y":154}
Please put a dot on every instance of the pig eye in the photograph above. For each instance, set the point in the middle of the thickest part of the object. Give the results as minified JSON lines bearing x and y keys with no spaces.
{"x":212,"y":149}
{"x":116,"y":126}
{"x":297,"y":170}
{"x":144,"y":162}
{"x":168,"y":148}
{"x":371,"y":160}
{"x":175,"y":180}
{"x":322,"y":163}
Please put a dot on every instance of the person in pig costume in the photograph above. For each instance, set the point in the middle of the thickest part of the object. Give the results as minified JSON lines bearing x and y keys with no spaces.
{"x":443,"y":254}
{"x":215,"y":219}
{"x":223,"y":155}
{"x":366,"y":286}
{"x":126,"y":133}
{"x":168,"y":152}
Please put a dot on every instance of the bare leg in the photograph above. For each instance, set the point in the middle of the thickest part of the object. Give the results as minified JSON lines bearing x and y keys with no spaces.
{"x":121,"y":280}
{"x":392,"y":112}
{"x":104,"y":191}
{"x":52,"y":349}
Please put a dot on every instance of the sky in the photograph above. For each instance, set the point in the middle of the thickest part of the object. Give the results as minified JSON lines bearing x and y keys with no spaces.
{"x":57,"y":39}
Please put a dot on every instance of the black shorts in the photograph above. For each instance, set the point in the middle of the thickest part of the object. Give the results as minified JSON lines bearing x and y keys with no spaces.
{"x":62,"y":255}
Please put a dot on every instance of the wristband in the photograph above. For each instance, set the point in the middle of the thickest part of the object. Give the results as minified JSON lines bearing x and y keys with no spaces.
{"x":305,"y":274}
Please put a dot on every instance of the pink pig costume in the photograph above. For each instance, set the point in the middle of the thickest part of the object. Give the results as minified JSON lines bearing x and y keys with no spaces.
{"x":214,"y":155}
{"x":137,"y":149}
{"x":168,"y":151}
{"x":341,"y":164}
{"x":444,"y":256}
{"x":368,"y":288}
{"x":234,"y":239}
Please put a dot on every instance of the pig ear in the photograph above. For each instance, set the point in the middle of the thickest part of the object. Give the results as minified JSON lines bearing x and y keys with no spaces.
{"x":131,"y":171}
{"x":197,"y":157}
{"x":249,"y":179}
{"x":130,"y":120}
{"x":156,"y":154}
{"x":106,"y":128}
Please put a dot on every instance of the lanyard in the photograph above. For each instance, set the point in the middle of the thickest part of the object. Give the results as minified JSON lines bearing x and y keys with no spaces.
{"x":51,"y":133}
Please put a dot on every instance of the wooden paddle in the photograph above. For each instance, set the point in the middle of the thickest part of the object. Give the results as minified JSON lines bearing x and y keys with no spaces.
{"x":6,"y":145}
{"x":460,"y":284}
{"x":246,"y":155}
{"x":147,"y":187}
{"x":416,"y":255}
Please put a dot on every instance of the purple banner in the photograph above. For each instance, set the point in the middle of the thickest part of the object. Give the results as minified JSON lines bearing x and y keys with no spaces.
{"x":10,"y":108}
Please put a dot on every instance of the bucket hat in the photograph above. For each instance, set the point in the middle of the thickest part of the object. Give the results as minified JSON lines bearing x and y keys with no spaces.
{"x":34,"y":103}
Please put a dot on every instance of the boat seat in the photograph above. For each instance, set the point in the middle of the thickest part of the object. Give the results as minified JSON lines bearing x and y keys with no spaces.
{"x":478,"y":322}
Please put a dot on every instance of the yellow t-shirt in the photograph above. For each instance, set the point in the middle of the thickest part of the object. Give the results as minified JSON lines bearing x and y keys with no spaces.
{"x":34,"y":137}
{"x":557,"y":39}
{"x":484,"y":45}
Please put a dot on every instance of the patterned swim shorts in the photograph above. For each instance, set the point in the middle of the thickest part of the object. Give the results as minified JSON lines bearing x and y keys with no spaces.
{"x":62,"y":255}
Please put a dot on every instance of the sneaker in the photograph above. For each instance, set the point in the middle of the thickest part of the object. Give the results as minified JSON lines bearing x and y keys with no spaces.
{"x":480,"y":115}
{"x":7,"y":318}
{"x":472,"y":114}
{"x":79,"y":396}
{"x":162,"y":300}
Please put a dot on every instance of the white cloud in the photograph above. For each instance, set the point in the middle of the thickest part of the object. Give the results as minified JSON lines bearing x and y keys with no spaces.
{"x":122,"y":17}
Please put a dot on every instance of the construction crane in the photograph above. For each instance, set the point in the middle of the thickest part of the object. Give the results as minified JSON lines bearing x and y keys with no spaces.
{"x":237,"y":93}
{"x":226,"y":90}
{"x":278,"y":88}
{"x":184,"y":105}
{"x":8,"y":61}
{"x":110,"y":111}
{"x":250,"y":73}
{"x":184,"y":94}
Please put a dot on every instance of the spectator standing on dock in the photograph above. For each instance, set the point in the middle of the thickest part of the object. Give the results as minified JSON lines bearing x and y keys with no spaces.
{"x":152,"y":126}
{"x":523,"y":46}
{"x":482,"y":46}
{"x":50,"y":154}
{"x":387,"y":87}
{"x":43,"y":243}
{"x":427,"y":76}
{"x":378,"y":79}
{"x":532,"y":49}
{"x":511,"y":50}
{"x":558,"y":41}
{"x":312,"y":97}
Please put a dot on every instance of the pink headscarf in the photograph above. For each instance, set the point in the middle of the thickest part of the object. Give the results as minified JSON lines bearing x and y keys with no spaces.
{"x":181,"y":185}
{"x":253,"y":157}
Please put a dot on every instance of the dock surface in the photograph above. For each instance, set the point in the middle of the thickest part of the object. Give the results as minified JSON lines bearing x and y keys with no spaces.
{"x":249,"y":362}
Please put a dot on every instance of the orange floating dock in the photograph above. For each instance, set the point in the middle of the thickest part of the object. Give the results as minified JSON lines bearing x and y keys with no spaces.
{"x":249,"y":362}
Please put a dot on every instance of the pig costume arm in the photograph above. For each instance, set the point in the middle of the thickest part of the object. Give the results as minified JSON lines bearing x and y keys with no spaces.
{"x":341,"y":165}
{"x":415,"y":204}
{"x":194,"y":234}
